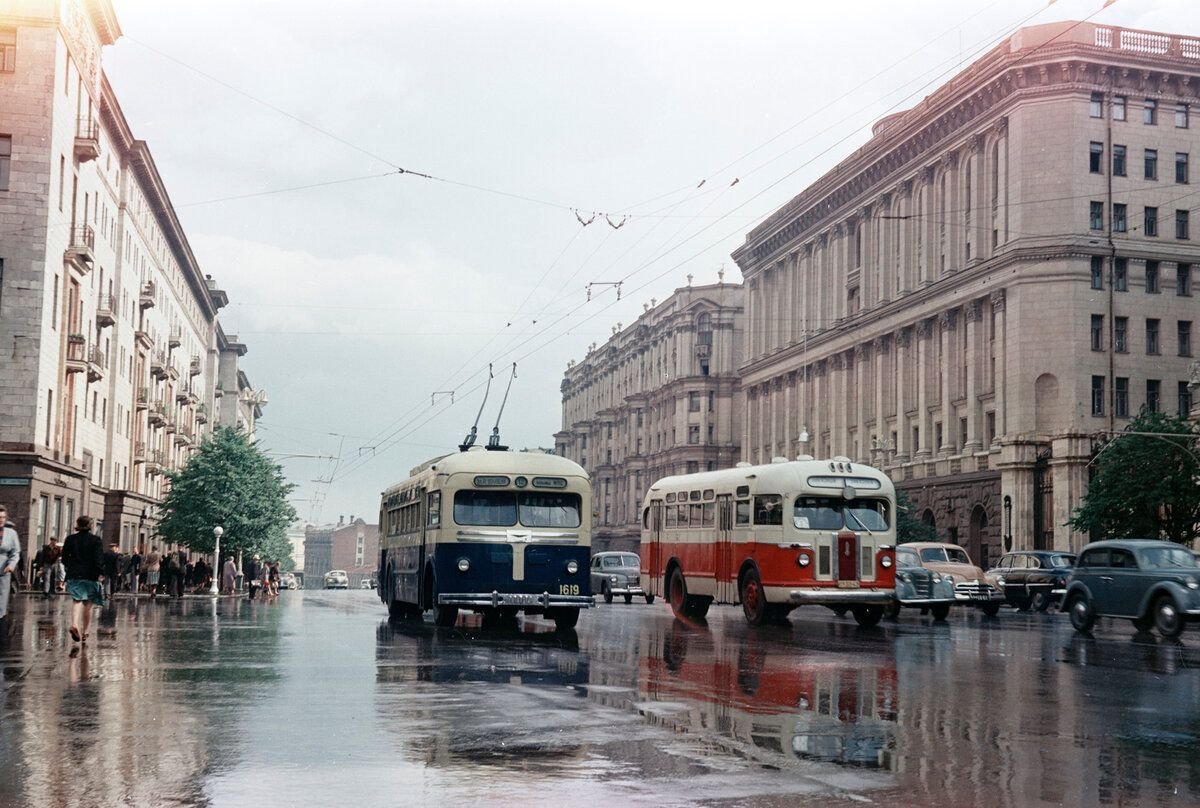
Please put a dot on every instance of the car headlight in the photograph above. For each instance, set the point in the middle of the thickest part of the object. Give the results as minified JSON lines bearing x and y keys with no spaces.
{"x":1000,"y":580}
{"x":885,"y":562}
{"x":1191,"y":583}
{"x":463,"y":565}
{"x":572,"y":567}
{"x":936,"y":577}
{"x":903,"y":576}
{"x":612,"y":579}
{"x":804,"y":560}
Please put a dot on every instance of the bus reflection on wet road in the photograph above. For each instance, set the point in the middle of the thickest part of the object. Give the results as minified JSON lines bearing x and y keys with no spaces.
{"x":318,"y":700}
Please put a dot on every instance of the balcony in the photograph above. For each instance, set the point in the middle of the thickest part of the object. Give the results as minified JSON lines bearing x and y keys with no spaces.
{"x":87,"y":140}
{"x":154,"y":462}
{"x":181,"y":396}
{"x":143,"y":398}
{"x":147,"y":295}
{"x":139,"y":453}
{"x":97,"y":363}
{"x":158,"y":366}
{"x":156,"y":416}
{"x":106,"y":311}
{"x":144,"y":339}
{"x":202,"y":414}
{"x":183,"y":436}
{"x":218,"y":392}
{"x":76,"y":353}
{"x":194,"y":367}
{"x":81,"y":251}
{"x":703,"y":351}
{"x":172,"y":371}
{"x":175,"y":338}
{"x":169,"y":417}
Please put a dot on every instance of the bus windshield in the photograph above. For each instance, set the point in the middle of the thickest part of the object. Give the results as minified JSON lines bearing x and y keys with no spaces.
{"x":506,"y":508}
{"x":831,"y":513}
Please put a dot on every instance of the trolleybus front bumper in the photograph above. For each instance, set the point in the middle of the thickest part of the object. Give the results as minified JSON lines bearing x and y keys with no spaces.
{"x":496,"y":600}
{"x":841,"y":597}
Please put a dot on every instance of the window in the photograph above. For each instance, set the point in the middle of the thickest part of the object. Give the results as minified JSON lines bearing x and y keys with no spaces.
{"x":1153,"y":395}
{"x":1150,"y":112}
{"x":1181,"y":224}
{"x":1185,"y":400}
{"x":1119,"y":222}
{"x":1118,"y":107}
{"x":1151,"y":277}
{"x":1150,"y":222}
{"x":1096,"y":105}
{"x":1181,"y":167}
{"x":8,"y":50}
{"x":742,"y":512}
{"x":1151,"y":164}
{"x":1096,"y":157}
{"x":990,"y":427}
{"x":712,"y":397}
{"x":1181,"y":116}
{"x":5,"y":154}
{"x":694,"y":401}
{"x":1096,"y":216}
{"x":1120,"y":334}
{"x":1097,"y":332}
{"x":492,"y":508}
{"x":1121,"y":397}
{"x":693,"y":466}
{"x":1183,"y":334}
{"x":1121,"y":274}
{"x":768,"y":510}
{"x":1097,"y":272}
{"x":693,"y":435}
{"x":1097,"y":395}
{"x":544,"y":509}
{"x":1151,"y":335}
{"x":1183,"y":280}
{"x":1118,"y":161}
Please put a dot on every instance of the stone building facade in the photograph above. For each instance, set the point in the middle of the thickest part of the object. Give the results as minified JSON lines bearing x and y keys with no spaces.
{"x":1000,"y":277}
{"x":108,"y":325}
{"x":351,"y":546}
{"x":659,"y":398}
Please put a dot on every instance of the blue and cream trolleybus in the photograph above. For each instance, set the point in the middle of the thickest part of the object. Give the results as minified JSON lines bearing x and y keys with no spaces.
{"x":494,"y":532}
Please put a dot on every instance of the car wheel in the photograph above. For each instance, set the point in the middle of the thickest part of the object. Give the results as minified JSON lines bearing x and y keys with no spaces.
{"x":892,"y":610}
{"x":1022,"y":605}
{"x":1082,"y":617}
{"x":1167,"y":618}
{"x":607,"y":593}
{"x":649,"y":599}
{"x":1143,"y":623}
{"x":629,"y":598}
{"x":940,"y":612}
{"x":754,"y":600}
{"x":990,"y":609}
{"x":867,"y":616}
{"x":1039,"y":601}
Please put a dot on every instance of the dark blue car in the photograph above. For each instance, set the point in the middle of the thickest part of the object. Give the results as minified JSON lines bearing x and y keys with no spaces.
{"x":1156,"y":584}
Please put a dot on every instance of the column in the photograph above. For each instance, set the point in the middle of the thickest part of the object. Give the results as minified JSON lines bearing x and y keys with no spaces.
{"x":881,"y":356}
{"x":903,"y":377}
{"x":952,"y":219}
{"x":924,"y":332}
{"x":747,"y":423}
{"x":1001,"y":398}
{"x":948,"y":322}
{"x":789,"y":404}
{"x":860,"y":394}
{"x":974,"y":411}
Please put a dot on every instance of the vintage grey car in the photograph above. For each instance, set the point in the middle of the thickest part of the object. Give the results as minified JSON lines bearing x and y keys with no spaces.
{"x":618,"y":575}
{"x":919,"y":588}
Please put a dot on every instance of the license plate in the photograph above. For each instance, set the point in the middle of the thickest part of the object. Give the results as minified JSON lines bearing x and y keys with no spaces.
{"x":847,"y":584}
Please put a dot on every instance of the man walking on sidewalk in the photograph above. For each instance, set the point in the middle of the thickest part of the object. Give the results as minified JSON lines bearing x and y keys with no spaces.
{"x":51,"y":554}
{"x":112,"y":569}
{"x":10,"y":556}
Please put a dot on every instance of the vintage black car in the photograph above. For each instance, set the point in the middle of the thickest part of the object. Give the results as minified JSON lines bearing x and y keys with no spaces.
{"x":1156,"y":584}
{"x":1032,"y":579}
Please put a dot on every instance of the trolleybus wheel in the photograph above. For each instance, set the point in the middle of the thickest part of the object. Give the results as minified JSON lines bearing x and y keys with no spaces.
{"x":607,"y":593}
{"x":445,"y":616}
{"x":867,"y":616}
{"x":754,"y":600}
{"x":564,"y":618}
{"x":629,"y":598}
{"x":399,"y":610}
{"x":940,"y":611}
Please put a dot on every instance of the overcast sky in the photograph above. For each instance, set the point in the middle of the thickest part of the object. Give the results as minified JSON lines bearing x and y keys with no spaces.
{"x":360,"y":298}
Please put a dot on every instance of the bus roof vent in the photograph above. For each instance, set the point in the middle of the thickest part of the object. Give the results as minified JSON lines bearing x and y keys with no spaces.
{"x":841,"y":459}
{"x":804,"y":457}
{"x":742,"y":465}
{"x":779,"y":460}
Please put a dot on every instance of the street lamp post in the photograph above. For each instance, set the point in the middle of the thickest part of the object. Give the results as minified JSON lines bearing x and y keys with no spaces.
{"x":218,"y":531}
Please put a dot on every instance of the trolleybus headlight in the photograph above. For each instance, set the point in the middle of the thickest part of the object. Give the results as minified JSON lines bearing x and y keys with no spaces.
{"x":463,"y":565}
{"x":572,"y":567}
{"x":885,"y":562}
{"x":804,"y":560}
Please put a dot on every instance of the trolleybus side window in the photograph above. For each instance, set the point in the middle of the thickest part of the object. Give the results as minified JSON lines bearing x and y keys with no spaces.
{"x":867,"y":514}
{"x":493,"y":508}
{"x":435,"y":508}
{"x":697,"y":511}
{"x":743,"y":511}
{"x":683,"y":515}
{"x":768,"y":509}
{"x":538,"y":509}
{"x":817,"y":513}
{"x":710,"y":511}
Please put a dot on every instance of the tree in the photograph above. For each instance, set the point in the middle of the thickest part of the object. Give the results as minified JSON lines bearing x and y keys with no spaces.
{"x":230,"y":483}
{"x":908,"y":527}
{"x":1145,"y":485}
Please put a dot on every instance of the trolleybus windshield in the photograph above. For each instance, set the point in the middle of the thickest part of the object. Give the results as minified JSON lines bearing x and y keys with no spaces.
{"x":829,"y":513}
{"x":502,"y":508}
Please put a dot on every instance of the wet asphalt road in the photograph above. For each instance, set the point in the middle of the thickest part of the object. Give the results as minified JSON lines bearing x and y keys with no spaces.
{"x":315,"y":700}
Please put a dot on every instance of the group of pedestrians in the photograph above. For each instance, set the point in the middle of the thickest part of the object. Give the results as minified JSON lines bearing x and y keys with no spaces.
{"x":262,"y":577}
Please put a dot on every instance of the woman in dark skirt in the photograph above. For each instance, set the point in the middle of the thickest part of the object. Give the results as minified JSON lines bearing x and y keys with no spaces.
{"x":83,"y":556}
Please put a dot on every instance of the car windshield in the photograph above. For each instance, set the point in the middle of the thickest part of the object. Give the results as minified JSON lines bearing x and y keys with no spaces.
{"x":958,"y":555}
{"x":1163,"y":557}
{"x":1061,"y":561}
{"x":630,"y":560}
{"x":907,"y":558}
{"x":933,"y":554}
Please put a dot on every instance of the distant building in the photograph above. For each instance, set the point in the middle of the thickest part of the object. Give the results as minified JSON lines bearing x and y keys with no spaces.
{"x":351,"y":546}
{"x":659,"y":398}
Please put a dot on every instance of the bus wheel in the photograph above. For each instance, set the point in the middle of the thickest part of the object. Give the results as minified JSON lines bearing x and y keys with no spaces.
{"x":683,"y":604}
{"x":754,"y":600}
{"x":399,"y":610}
{"x":867,"y":616}
{"x":564,"y":618}
{"x":445,"y":616}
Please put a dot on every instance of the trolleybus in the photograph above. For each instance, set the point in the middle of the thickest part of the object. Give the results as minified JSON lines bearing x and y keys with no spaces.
{"x":773,"y":537}
{"x":495,"y":532}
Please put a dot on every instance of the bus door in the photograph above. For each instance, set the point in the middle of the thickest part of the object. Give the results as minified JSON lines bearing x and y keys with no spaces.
{"x":654,"y":557}
{"x":726,"y":588}
{"x":419,"y":550}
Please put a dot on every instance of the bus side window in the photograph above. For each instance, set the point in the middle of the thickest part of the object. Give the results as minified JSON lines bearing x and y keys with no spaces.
{"x":672,"y":521}
{"x":710,"y":510}
{"x":697,"y":517}
{"x":768,"y":510}
{"x":743,"y":512}
{"x":435,"y":508}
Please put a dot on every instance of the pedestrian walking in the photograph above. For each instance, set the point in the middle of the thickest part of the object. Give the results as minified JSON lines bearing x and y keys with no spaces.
{"x":112,"y":569}
{"x":10,"y":557}
{"x":135,"y":569}
{"x":228,"y":576}
{"x":183,"y":576}
{"x":153,"y":570}
{"x":274,"y":577}
{"x":51,"y":567}
{"x":253,"y":576}
{"x":83,"y":557}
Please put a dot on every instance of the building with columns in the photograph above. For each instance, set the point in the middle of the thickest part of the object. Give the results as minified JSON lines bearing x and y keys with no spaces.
{"x":998,"y":279}
{"x":108,"y":326}
{"x":659,"y":398}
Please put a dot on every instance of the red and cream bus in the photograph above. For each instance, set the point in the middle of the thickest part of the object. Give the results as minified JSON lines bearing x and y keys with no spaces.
{"x":773,"y":537}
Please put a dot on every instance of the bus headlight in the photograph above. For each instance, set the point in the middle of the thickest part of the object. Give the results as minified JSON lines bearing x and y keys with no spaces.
{"x":885,"y":562}
{"x":572,"y":567}
{"x":463,"y":565}
{"x":804,"y":560}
